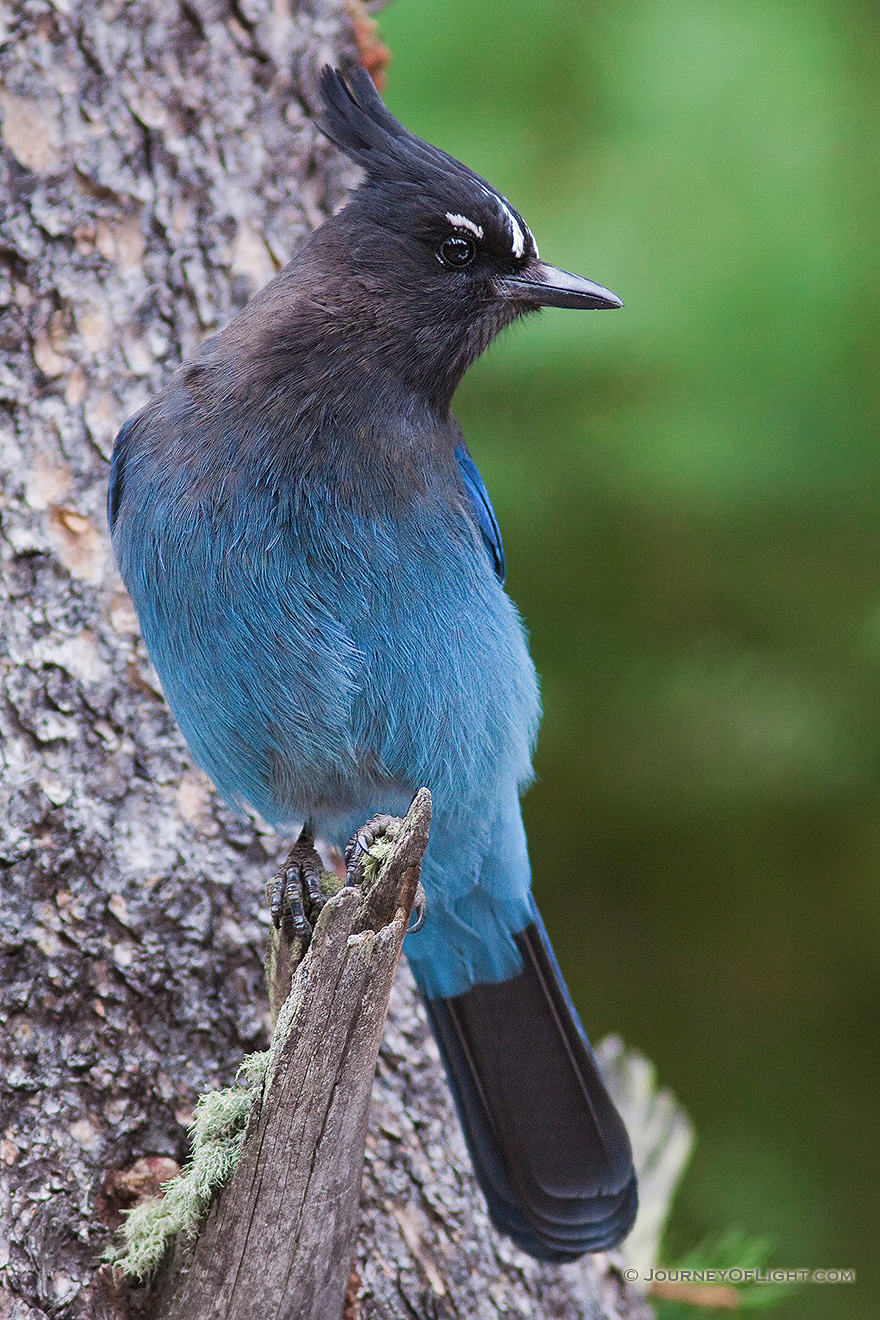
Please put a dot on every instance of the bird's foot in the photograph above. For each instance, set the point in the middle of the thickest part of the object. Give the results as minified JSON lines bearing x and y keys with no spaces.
{"x":381,"y":829}
{"x":296,"y":889}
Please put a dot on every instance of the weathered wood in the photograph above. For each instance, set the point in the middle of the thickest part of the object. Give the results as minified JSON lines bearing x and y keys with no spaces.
{"x":280,"y":1238}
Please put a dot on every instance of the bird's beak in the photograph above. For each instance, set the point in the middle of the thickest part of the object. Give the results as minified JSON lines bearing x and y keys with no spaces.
{"x":545,"y":286}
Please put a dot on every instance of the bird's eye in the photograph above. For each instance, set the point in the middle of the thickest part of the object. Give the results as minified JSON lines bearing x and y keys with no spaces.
{"x":457,"y":251}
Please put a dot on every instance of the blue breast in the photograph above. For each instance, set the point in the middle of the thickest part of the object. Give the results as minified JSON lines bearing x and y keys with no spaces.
{"x":318,"y":657}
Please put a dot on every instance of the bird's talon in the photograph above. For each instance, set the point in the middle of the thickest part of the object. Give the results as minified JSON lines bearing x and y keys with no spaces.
{"x":294,"y":903}
{"x":317,"y":897}
{"x":277,"y":901}
{"x":357,"y":847}
{"x":296,"y":890}
{"x":419,"y":911}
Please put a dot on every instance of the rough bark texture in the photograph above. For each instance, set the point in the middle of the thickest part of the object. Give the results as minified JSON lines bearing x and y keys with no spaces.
{"x":158,"y":165}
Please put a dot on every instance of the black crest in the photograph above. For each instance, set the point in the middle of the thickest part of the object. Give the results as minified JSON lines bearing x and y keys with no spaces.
{"x":356,"y":118}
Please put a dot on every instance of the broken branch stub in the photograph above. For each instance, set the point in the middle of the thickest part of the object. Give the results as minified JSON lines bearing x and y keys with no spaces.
{"x":279,"y":1239}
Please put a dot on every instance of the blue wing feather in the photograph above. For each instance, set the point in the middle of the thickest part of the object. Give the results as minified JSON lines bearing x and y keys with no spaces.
{"x":483,"y":511}
{"x":114,"y":487}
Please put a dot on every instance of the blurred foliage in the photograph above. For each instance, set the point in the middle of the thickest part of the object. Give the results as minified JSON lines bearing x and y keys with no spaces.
{"x":689,"y":491}
{"x":733,"y":1250}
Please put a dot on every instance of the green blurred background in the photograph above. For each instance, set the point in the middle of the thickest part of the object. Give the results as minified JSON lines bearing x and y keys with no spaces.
{"x":689,"y":492}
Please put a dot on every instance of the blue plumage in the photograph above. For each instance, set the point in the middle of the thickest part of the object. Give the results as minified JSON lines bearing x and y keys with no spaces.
{"x":483,"y":511}
{"x":333,"y":694}
{"x":318,"y":572}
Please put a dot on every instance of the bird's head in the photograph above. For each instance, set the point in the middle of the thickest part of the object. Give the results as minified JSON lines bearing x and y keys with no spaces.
{"x":443,"y":260}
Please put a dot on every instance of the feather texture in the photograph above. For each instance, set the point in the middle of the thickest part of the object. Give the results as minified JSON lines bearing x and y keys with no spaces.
{"x":483,"y":511}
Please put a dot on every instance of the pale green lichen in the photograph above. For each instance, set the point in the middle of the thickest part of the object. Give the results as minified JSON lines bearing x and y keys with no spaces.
{"x":217,"y":1133}
{"x":331,"y":883}
{"x":375,"y":857}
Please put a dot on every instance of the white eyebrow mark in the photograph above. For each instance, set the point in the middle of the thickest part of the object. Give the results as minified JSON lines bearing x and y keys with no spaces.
{"x":462,"y":222}
{"x":518,"y":243}
{"x":519,"y":239}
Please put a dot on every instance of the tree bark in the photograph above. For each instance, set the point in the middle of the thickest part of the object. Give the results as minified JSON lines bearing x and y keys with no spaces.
{"x":159,"y":163}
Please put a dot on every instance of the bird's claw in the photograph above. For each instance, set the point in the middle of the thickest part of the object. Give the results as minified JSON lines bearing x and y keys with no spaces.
{"x":296,"y":889}
{"x":358,"y":847}
{"x":360,"y":844}
{"x":419,"y":911}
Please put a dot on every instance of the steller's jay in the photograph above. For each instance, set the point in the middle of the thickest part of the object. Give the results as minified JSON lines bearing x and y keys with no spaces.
{"x":318,"y":574}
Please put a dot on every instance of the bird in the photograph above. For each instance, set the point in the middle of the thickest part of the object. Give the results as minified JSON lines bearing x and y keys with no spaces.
{"x":319,"y":579}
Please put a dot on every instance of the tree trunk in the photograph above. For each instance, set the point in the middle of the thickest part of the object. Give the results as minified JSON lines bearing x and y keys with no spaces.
{"x":159,"y":164}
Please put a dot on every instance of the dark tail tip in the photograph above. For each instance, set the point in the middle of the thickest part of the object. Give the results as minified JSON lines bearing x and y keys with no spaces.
{"x":550,"y":1151}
